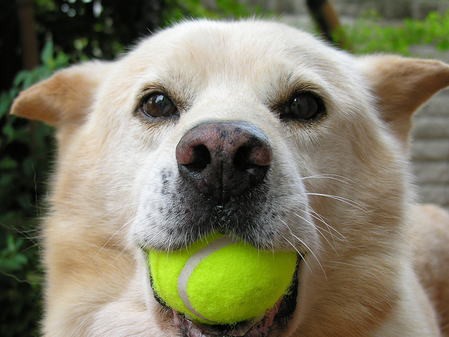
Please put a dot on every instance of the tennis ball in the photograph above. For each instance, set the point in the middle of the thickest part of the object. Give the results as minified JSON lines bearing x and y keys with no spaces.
{"x":221,"y":281}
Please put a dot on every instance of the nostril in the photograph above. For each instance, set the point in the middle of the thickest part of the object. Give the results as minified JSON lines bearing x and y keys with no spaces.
{"x":201,"y":157}
{"x":241,"y":158}
{"x":253,"y":161}
{"x":252,"y":156}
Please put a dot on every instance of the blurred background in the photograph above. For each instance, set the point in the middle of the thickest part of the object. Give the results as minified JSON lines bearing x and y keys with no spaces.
{"x":38,"y":37}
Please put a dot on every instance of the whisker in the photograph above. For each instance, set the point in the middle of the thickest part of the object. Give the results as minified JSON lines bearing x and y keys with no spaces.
{"x":125,"y":248}
{"x":336,"y":177}
{"x":316,"y":227}
{"x":305,"y":245}
{"x":339,"y":198}
{"x":320,"y":218}
{"x":299,"y":253}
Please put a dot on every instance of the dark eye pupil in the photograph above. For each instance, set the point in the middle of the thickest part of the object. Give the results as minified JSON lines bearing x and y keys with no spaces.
{"x":304,"y":106}
{"x":158,"y":105}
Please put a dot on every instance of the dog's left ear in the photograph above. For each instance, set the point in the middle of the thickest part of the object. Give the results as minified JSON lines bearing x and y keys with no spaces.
{"x":401,"y":85}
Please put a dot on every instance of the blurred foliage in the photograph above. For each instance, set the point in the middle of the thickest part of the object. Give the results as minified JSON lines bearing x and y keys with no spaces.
{"x":102,"y":29}
{"x":71,"y":31}
{"x":178,"y":10}
{"x":371,"y":34}
{"x":96,"y":28}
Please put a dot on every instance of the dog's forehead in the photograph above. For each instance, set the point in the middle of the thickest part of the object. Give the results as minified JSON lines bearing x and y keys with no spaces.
{"x":199,"y":49}
{"x":219,"y":40}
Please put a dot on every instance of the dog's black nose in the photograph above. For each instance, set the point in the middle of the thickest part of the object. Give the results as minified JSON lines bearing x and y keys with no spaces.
{"x":224,"y":159}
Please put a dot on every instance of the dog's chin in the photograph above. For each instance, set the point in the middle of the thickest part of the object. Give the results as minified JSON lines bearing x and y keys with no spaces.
{"x":273,"y":324}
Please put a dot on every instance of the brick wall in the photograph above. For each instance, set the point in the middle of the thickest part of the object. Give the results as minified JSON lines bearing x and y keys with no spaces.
{"x":430,"y":150}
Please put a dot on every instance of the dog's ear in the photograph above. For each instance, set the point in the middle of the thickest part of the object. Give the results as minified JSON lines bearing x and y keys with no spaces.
{"x":63,"y":98}
{"x":401,"y":85}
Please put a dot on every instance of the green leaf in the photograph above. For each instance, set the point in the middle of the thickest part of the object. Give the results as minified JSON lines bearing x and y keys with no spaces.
{"x":8,"y":131}
{"x":7,"y":163}
{"x":21,"y":77}
{"x":47,"y":53}
{"x":5,"y":103}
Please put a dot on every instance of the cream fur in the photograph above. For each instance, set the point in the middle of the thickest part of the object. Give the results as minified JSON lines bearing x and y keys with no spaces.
{"x":374,"y":271}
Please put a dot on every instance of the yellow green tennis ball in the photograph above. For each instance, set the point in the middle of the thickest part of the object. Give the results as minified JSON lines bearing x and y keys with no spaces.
{"x":220,"y":281}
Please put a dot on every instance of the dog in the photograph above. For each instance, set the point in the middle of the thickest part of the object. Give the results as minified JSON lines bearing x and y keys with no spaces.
{"x":263,"y":133}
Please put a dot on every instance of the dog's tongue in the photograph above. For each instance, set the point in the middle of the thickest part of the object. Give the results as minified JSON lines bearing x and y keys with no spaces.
{"x":255,"y":328}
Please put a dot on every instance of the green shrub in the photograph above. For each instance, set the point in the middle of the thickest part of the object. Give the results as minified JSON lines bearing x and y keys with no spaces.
{"x":370,"y":34}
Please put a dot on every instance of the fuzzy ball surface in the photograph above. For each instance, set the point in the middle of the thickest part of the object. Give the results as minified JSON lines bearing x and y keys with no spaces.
{"x":221,"y":281}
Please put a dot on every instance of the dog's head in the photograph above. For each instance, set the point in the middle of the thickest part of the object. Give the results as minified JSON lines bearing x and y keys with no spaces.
{"x":251,"y":129}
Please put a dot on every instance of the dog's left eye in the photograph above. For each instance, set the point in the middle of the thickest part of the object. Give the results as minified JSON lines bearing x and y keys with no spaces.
{"x":158,"y":105}
{"x":303,"y":106}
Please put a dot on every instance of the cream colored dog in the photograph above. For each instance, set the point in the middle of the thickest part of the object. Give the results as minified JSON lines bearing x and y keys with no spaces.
{"x":263,"y":133}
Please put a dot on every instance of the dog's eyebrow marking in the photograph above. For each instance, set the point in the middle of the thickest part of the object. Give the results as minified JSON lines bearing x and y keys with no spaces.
{"x":290,"y":86}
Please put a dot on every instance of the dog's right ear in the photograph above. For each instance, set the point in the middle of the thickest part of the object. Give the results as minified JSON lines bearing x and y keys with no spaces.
{"x":66,"y":97}
{"x":401,"y":85}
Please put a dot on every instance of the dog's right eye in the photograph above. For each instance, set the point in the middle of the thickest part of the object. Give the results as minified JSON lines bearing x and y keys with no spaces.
{"x":158,"y":105}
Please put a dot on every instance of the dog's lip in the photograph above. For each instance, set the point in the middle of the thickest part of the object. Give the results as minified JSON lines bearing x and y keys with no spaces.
{"x":272,"y":324}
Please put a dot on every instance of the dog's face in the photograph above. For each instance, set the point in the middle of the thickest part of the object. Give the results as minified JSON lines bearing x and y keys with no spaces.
{"x":284,"y":91}
{"x":227,"y":76}
{"x":251,"y":129}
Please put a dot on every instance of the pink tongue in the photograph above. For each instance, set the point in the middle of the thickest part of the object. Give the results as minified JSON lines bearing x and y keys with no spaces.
{"x":253,"y":328}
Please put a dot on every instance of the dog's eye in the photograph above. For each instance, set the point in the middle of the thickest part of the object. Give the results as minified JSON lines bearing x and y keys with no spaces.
{"x":158,"y":105}
{"x":303,"y":106}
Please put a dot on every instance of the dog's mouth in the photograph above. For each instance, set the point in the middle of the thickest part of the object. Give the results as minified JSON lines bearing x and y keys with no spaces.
{"x":273,"y":323}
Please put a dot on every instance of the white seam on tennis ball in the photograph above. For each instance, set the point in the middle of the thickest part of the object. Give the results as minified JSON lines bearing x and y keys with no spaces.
{"x":190,"y":266}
